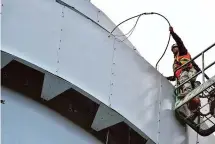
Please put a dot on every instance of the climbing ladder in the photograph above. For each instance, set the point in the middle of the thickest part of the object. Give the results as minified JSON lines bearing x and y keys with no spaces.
{"x":202,"y":119}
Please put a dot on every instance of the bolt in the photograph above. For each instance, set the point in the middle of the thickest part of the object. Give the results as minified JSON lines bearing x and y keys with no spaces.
{"x":3,"y":101}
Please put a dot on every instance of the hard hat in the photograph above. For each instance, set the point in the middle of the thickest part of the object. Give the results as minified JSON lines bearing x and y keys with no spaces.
{"x":174,"y":45}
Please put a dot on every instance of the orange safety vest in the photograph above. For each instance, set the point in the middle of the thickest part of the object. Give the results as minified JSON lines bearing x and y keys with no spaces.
{"x":179,"y":61}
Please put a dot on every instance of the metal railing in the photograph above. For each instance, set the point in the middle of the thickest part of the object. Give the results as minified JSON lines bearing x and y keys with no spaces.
{"x":201,"y":71}
{"x":188,"y":119}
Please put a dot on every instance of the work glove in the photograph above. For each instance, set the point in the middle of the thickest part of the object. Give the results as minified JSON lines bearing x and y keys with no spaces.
{"x":171,"y":29}
{"x":170,"y":78}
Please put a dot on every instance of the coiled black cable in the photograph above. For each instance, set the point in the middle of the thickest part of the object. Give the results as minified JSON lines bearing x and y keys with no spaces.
{"x":147,"y":13}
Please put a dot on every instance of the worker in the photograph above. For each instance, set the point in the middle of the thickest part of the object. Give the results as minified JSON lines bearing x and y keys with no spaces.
{"x":182,"y":56}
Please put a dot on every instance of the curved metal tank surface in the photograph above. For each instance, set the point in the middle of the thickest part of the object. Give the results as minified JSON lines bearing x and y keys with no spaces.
{"x":25,"y":121}
{"x":61,"y":40}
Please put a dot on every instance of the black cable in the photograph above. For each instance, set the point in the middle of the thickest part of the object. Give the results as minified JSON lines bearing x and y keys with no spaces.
{"x":167,"y":42}
{"x":163,"y":17}
{"x":124,"y":21}
{"x":131,"y":30}
{"x":139,"y":15}
{"x":164,"y":51}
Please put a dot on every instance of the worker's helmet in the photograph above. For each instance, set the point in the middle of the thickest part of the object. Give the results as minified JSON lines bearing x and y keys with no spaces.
{"x":174,"y":45}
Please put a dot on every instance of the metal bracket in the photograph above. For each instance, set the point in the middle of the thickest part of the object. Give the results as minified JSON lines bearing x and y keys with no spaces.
{"x":5,"y":59}
{"x":53,"y":86}
{"x":105,"y":117}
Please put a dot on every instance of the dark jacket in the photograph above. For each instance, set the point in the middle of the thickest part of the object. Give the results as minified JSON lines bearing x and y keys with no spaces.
{"x":182,"y":51}
{"x":181,"y":47}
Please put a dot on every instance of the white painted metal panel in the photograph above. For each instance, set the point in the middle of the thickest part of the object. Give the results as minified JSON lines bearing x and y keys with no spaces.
{"x":143,"y":96}
{"x":104,"y":21}
{"x":24,"y":121}
{"x":168,"y":124}
{"x":135,"y":89}
{"x":86,"y":7}
{"x":96,"y":15}
{"x":170,"y":130}
{"x":115,"y":75}
{"x":85,"y":57}
{"x":31,"y":30}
